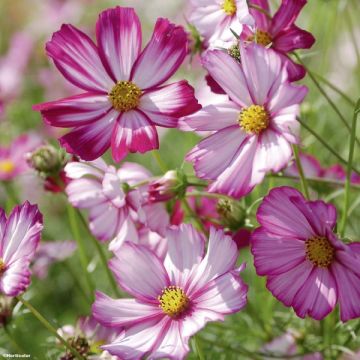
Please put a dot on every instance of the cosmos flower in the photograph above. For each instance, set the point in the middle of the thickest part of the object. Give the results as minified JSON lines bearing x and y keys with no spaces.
{"x":214,"y":19}
{"x":13,"y":159}
{"x":306,"y":265}
{"x":254,"y":129}
{"x":124,"y":96}
{"x":86,"y":337}
{"x":12,"y":68}
{"x":19,"y":238}
{"x":50,"y":252}
{"x":115,"y":211}
{"x":279,"y":32}
{"x":174,"y":299}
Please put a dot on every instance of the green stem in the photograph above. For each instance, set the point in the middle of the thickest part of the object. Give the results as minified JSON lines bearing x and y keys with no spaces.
{"x":193,"y":215}
{"x":326,"y":96}
{"x":84,"y":261}
{"x":303,"y":181}
{"x":197,"y":348}
{"x":325,"y":144}
{"x":348,"y":171}
{"x":49,"y":327}
{"x":102,"y":256}
{"x":354,"y":40}
{"x":208,"y":195}
{"x":161,"y":164}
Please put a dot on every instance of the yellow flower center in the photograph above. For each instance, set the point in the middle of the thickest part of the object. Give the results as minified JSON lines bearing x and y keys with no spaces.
{"x":6,"y":166}
{"x":173,"y":301}
{"x":254,"y":119}
{"x":229,"y":6}
{"x":2,"y":266}
{"x":319,"y":251}
{"x":260,"y":37}
{"x":125,"y":96}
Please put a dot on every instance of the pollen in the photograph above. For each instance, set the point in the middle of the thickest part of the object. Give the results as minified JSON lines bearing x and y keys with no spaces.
{"x":125,"y":96}
{"x":319,"y":251}
{"x":260,"y":37}
{"x":254,"y":119}
{"x":2,"y":266}
{"x":173,"y":301}
{"x":6,"y":166}
{"x":229,"y":6}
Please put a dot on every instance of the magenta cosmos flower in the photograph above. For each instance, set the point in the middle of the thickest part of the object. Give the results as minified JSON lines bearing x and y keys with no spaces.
{"x":19,"y":235}
{"x":214,"y":19}
{"x":116,"y":212}
{"x":306,"y":265}
{"x":279,"y":32}
{"x":13,"y":158}
{"x":123,"y":99}
{"x":253,"y":130}
{"x":174,"y":299}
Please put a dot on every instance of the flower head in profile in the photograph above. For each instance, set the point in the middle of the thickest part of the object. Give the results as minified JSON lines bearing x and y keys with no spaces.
{"x":254,"y":128}
{"x":116,"y":211}
{"x":124,"y":98}
{"x":216,"y":19}
{"x":306,"y":265}
{"x":13,"y":158}
{"x":19,"y":237}
{"x":279,"y":32}
{"x":173,"y":299}
{"x":86,"y":337}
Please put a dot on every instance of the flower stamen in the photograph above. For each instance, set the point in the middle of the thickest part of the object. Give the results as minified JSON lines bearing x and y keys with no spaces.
{"x":320,"y":251}
{"x":173,"y":301}
{"x":260,"y":37}
{"x":229,"y":7}
{"x":6,"y":166}
{"x":2,"y":266}
{"x":254,"y":119}
{"x":125,"y":96}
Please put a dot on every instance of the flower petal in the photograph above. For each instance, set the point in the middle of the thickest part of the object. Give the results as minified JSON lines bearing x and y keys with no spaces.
{"x":166,"y":104}
{"x":133,"y":173}
{"x":317,"y":298}
{"x":77,"y":58}
{"x":228,"y":73}
{"x":211,"y":158}
{"x":84,"y":193}
{"x":90,"y":141}
{"x":78,"y":169}
{"x":185,"y":251}
{"x":292,"y":39}
{"x":144,"y":278}
{"x":162,"y":56}
{"x":286,"y":15}
{"x":156,"y":217}
{"x":275,"y":255}
{"x":295,"y":71}
{"x":133,"y":133}
{"x":285,"y":123}
{"x":118,"y":34}
{"x":262,"y":22}
{"x":212,"y":117}
{"x":22,"y":233}
{"x":122,"y":312}
{"x":75,"y":110}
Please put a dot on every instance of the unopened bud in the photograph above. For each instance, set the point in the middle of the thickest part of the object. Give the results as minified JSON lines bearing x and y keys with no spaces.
{"x":6,"y":309}
{"x":232,"y":215}
{"x":234,"y":52}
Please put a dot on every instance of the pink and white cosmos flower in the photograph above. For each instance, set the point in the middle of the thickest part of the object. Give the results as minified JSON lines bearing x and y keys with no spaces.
{"x":13,"y":158}
{"x":254,"y":128}
{"x":19,"y":237}
{"x":214,"y":19}
{"x":279,"y":32}
{"x":306,"y":265}
{"x":173,"y":299}
{"x":116,"y":212}
{"x":124,"y":99}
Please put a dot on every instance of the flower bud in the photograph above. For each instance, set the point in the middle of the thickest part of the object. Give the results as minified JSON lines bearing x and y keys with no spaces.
{"x":6,"y":309}
{"x":168,"y":186}
{"x":232,"y":215}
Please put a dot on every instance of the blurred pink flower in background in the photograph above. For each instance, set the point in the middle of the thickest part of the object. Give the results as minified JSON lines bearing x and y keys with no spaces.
{"x":49,"y":253}
{"x":280,"y":33}
{"x":214,"y":19}
{"x":13,"y":158}
{"x":19,"y":237}
{"x":123,"y":100}
{"x":12,"y":68}
{"x":174,"y":299}
{"x":253,"y":131}
{"x":115,"y":210}
{"x":306,"y":265}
